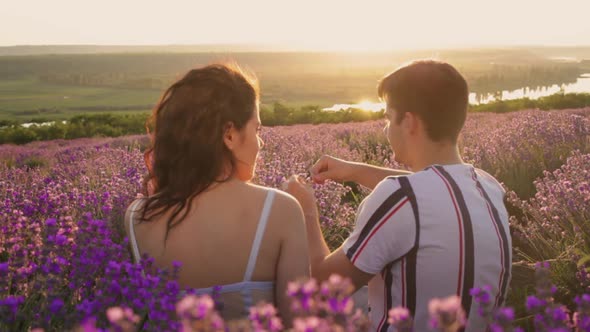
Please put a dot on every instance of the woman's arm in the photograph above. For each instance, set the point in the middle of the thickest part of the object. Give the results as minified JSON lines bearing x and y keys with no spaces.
{"x":323,"y":262}
{"x":293,"y":257}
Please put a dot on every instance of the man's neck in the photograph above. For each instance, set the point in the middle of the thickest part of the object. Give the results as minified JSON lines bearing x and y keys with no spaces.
{"x":436,"y":154}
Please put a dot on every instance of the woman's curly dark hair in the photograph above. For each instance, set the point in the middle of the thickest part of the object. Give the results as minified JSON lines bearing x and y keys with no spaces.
{"x":187,"y":152}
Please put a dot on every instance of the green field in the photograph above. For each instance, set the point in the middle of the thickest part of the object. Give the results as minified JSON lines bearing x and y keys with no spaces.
{"x":59,"y":86}
{"x":26,"y":98}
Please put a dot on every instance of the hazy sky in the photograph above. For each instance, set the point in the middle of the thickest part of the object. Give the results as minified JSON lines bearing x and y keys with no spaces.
{"x":328,"y":24}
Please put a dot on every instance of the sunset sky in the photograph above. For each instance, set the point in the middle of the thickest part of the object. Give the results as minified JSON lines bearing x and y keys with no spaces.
{"x":314,"y":24}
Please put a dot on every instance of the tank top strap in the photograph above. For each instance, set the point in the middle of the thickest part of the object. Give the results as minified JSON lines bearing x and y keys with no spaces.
{"x":132,"y":239}
{"x":259,"y":233}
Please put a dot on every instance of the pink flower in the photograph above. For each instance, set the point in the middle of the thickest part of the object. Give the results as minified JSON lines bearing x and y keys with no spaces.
{"x":446,"y":314}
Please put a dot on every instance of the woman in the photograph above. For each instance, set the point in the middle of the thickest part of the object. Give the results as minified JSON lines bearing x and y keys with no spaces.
{"x":204,"y":212}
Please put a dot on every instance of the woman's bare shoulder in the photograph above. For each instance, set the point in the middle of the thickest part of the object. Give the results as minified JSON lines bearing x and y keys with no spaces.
{"x":282,"y":199}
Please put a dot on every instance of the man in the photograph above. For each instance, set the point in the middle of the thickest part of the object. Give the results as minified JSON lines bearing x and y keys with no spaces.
{"x":439,"y":231}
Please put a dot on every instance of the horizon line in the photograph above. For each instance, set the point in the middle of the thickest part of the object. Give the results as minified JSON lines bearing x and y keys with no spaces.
{"x":287,"y":47}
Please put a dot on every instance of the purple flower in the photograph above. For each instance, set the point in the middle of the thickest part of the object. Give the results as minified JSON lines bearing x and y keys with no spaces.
{"x":9,"y":306}
{"x":264,"y":318}
{"x":534,"y":304}
{"x":401,"y":319}
{"x":198,"y":310}
{"x":503,"y":319}
{"x":481,"y":295}
{"x":310,"y":324}
{"x":123,"y":319}
{"x":583,"y":301}
{"x":56,"y":306}
{"x":50,"y":222}
{"x":483,"y":298}
{"x":548,"y":315}
{"x":61,"y":234}
{"x":302,"y":294}
{"x":336,"y":292}
{"x":446,"y":314}
{"x":581,"y":321}
{"x":504,"y":314}
{"x":89,"y":325}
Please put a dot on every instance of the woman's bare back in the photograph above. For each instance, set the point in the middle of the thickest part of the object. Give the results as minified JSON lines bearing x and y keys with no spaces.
{"x":214,"y":241}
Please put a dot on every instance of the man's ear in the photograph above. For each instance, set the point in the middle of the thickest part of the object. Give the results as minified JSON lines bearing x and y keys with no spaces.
{"x":230,"y":137}
{"x":412,"y":123}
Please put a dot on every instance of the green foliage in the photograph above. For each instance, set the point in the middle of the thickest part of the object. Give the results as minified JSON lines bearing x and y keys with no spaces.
{"x":555,"y":101}
{"x":95,"y":125}
{"x":282,"y":115}
{"x":113,"y":125}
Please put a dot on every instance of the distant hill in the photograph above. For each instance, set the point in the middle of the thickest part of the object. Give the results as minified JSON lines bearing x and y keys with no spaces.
{"x":99,"y":49}
{"x":578,"y":52}
{"x":61,"y":81}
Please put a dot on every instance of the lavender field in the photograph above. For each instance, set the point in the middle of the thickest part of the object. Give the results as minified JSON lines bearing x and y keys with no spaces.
{"x":64,"y":259}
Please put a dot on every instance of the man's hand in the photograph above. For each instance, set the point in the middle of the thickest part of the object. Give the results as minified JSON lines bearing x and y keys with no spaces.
{"x":330,"y":168}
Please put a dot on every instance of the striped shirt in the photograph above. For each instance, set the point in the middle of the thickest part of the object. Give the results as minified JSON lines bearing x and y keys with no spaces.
{"x":432,"y":234}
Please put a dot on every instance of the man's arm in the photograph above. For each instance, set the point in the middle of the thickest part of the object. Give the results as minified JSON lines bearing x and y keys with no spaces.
{"x":369,"y":176}
{"x":340,"y":170}
{"x":391,"y":236}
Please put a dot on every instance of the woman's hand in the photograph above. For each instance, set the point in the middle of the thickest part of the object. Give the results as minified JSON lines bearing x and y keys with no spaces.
{"x":304,"y":193}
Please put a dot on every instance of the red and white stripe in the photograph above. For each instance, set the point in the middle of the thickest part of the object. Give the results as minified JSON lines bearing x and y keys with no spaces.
{"x":460,"y":224}
{"x":382,"y":222}
{"x":494,"y":222}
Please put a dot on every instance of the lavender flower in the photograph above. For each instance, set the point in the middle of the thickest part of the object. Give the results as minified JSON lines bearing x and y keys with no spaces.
{"x":483,"y":299}
{"x":264,"y":318}
{"x":310,"y":324}
{"x":581,"y":317}
{"x":302,"y":294}
{"x":64,"y":257}
{"x":548,"y":315}
{"x":197,"y":313}
{"x":336,"y":295}
{"x":503,"y":320}
{"x":446,"y":314}
{"x":401,"y":320}
{"x":122,"y":319}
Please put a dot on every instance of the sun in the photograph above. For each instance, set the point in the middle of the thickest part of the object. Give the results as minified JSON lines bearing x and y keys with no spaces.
{"x":368,"y":105}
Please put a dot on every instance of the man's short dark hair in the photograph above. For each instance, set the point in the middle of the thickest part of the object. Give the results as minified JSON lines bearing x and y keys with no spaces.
{"x":433,"y":90}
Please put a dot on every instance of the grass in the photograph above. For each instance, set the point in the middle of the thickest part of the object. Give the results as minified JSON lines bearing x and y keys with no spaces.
{"x":26,"y":98}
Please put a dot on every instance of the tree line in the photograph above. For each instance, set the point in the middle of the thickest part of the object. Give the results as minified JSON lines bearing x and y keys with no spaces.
{"x":112,"y":125}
